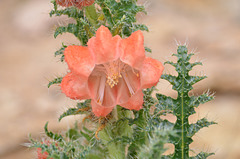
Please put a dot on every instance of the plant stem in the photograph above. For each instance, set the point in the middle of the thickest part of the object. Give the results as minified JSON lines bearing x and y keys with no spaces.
{"x":116,"y":131}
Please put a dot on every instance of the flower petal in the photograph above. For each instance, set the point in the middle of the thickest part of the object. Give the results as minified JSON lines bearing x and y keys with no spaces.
{"x":79,"y":60}
{"x":128,"y":85}
{"x":75,"y":87}
{"x":104,"y":47}
{"x":150,"y":73}
{"x":101,"y":92}
{"x":100,"y":110}
{"x":102,"y":95}
{"x":123,"y":94}
{"x":82,"y":3}
{"x":133,"y":50}
{"x":64,"y":3}
{"x":135,"y":102}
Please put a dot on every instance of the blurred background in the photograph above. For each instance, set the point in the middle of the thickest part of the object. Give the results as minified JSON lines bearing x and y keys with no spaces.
{"x":211,"y":28}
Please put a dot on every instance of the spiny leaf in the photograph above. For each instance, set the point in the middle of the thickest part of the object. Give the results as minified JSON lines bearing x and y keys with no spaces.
{"x":194,"y":128}
{"x":184,"y":105}
{"x":114,"y":11}
{"x":55,"y":81}
{"x":123,"y":139}
{"x":202,"y":155}
{"x":155,"y":147}
{"x":194,"y":79}
{"x":140,"y":137}
{"x":148,"y":99}
{"x":195,"y":101}
{"x":107,"y":13}
{"x":160,"y":123}
{"x":140,"y":27}
{"x":171,"y":79}
{"x":81,"y":108}
{"x":84,"y":104}
{"x":61,"y":52}
{"x":73,"y":134}
{"x":165,"y":103}
{"x":81,"y":30}
{"x":69,"y":11}
{"x":171,"y":63}
{"x":196,"y":63}
{"x":70,"y":111}
{"x":86,"y":135}
{"x":87,"y":130}
{"x":167,"y":157}
{"x":50,"y":134}
{"x":148,"y":50}
{"x":71,"y":28}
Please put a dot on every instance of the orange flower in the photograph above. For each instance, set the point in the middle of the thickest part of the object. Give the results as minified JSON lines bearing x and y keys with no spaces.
{"x":82,"y":3}
{"x":64,"y":3}
{"x":111,"y":71}
{"x":77,"y":3}
{"x":45,"y":154}
{"x":41,"y":155}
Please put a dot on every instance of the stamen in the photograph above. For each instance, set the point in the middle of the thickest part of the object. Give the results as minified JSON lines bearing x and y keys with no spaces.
{"x":113,"y":70}
{"x":134,"y":71}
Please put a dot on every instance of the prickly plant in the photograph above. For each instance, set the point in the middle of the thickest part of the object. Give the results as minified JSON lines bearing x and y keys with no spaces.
{"x":184,"y":105}
{"x":125,"y":133}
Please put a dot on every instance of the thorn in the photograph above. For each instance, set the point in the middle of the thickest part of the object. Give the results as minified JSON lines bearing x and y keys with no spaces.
{"x":177,"y":42}
{"x":194,"y":51}
{"x":186,"y":42}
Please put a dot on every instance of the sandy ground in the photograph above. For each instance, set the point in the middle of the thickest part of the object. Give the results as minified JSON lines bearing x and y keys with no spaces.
{"x":27,"y":63}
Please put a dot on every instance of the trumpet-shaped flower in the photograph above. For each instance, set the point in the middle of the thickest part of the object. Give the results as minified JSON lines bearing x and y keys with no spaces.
{"x":110,"y":71}
{"x":77,"y":3}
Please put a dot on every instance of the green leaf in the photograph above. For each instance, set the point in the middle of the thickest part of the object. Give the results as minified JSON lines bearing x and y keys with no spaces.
{"x":107,"y":13}
{"x":57,"y":80}
{"x":167,"y":157}
{"x":73,"y":134}
{"x":155,"y":147}
{"x":140,"y":27}
{"x":70,"y":28}
{"x":148,"y":50}
{"x":196,"y":63}
{"x":121,"y":16}
{"x":194,"y":79}
{"x":61,"y":52}
{"x":148,"y":99}
{"x":171,"y":79}
{"x":202,"y":155}
{"x":184,"y":105}
{"x":93,"y":156}
{"x":69,"y":11}
{"x":165,"y":103}
{"x":86,"y":135}
{"x":50,"y":134}
{"x":91,"y":15}
{"x":171,"y":63}
{"x":80,"y":109}
{"x":194,"y":128}
{"x":195,"y":101}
